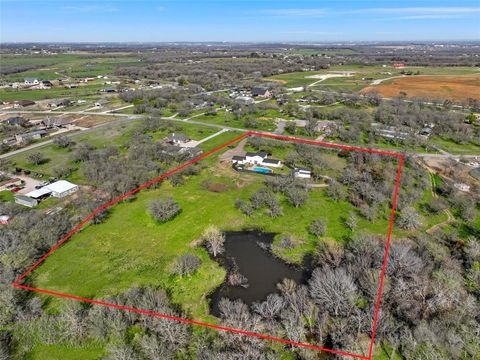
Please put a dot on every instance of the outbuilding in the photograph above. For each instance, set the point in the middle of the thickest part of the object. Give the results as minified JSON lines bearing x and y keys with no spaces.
{"x":25,"y":201}
{"x":61,"y":188}
{"x":302,"y":173}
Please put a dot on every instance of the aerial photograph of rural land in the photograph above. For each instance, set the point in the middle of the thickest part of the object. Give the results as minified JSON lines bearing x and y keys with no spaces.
{"x":230,"y":180}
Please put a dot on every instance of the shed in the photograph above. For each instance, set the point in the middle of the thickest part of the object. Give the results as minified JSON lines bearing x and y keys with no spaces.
{"x":25,"y":201}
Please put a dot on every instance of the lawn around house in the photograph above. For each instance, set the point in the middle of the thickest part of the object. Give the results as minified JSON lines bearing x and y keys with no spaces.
{"x":131,"y":249}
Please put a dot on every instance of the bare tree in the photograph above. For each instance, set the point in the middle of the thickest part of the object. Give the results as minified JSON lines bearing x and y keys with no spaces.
{"x":318,"y":227}
{"x":214,"y":240}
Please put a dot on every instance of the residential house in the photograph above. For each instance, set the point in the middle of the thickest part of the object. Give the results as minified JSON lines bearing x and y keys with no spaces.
{"x":272,"y":163}
{"x":101,"y":103}
{"x":16,"y":121}
{"x":34,"y":135}
{"x":302,"y":173}
{"x":244,"y":100}
{"x":55,"y":122}
{"x":58,"y":103}
{"x":426,"y":131}
{"x":255,"y":158}
{"x":261,"y":92}
{"x":462,"y":187}
{"x":398,"y":66}
{"x":239,"y":159}
{"x":45,"y":84}
{"x":23,"y":103}
{"x":30,"y":81}
{"x":25,"y":201}
{"x":177,"y":138}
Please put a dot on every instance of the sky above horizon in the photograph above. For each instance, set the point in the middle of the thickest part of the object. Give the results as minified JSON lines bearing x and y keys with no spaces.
{"x":230,"y":20}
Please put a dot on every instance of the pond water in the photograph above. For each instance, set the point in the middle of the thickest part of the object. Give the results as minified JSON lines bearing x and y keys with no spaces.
{"x":247,"y":251}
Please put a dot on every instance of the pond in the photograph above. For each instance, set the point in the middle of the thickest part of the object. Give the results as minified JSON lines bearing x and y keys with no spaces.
{"x":247,"y":253}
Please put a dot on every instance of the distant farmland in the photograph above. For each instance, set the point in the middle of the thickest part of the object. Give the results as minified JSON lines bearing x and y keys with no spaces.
{"x":432,"y":87}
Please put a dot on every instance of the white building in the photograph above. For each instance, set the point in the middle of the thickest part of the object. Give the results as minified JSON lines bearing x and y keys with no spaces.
{"x":302,"y":173}
{"x":462,"y":187}
{"x":61,"y":188}
{"x":255,"y":158}
{"x":244,"y":100}
{"x":31,"y":81}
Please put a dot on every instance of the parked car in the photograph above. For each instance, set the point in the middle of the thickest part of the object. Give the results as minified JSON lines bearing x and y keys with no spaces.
{"x":16,"y":189}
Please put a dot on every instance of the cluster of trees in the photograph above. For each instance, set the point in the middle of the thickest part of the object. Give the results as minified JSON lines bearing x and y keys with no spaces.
{"x":423,"y":291}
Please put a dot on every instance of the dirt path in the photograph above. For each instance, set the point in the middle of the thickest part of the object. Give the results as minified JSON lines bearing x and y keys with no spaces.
{"x":237,"y":151}
{"x":442,"y":224}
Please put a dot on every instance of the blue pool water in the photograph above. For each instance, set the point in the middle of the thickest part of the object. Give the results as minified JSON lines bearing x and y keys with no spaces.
{"x":262,"y":170}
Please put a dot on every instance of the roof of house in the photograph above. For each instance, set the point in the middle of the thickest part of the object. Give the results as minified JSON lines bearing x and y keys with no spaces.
{"x":238,"y":158}
{"x":271,"y":161}
{"x":61,"y":186}
{"x":178,"y":137}
{"x":262,"y":154}
{"x":33,"y":133}
{"x":25,"y":102}
{"x":259,"y":91}
{"x":305,"y":171}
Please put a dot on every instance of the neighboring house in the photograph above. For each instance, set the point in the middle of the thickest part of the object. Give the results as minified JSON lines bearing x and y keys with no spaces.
{"x":390,"y":132}
{"x":101,"y":103}
{"x":177,"y":139}
{"x":34,"y":135}
{"x":5,"y":219}
{"x":31,"y":81}
{"x":244,"y":100}
{"x":25,"y":201}
{"x":23,"y":103}
{"x":462,"y":187}
{"x":55,"y":122}
{"x":58,"y":103}
{"x":426,"y":131}
{"x":302,"y":173}
{"x":398,"y":66}
{"x":46,"y":84}
{"x":261,"y":92}
{"x":61,"y":188}
{"x":191,"y":151}
{"x":16,"y":121}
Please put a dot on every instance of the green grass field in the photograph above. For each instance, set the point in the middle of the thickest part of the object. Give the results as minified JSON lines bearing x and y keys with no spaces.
{"x":131,"y":249}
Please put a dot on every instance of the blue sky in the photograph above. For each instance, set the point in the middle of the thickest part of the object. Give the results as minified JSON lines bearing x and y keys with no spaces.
{"x":229,"y":20}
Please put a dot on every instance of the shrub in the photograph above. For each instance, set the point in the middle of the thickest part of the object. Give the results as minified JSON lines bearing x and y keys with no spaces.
{"x":164,"y":209}
{"x":187,"y":264}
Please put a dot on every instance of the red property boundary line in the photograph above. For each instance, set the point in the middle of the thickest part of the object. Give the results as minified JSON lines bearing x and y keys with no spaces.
{"x":17,"y":284}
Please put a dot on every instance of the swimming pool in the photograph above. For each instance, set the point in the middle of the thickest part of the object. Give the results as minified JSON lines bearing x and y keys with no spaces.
{"x":262,"y":170}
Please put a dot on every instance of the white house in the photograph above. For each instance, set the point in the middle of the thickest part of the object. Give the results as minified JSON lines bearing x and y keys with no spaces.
{"x":101,"y":103}
{"x":302,"y":173}
{"x":255,"y":158}
{"x":272,"y":163}
{"x":62,"y":188}
{"x":31,"y":81}
{"x":244,"y":100}
{"x":462,"y":187}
